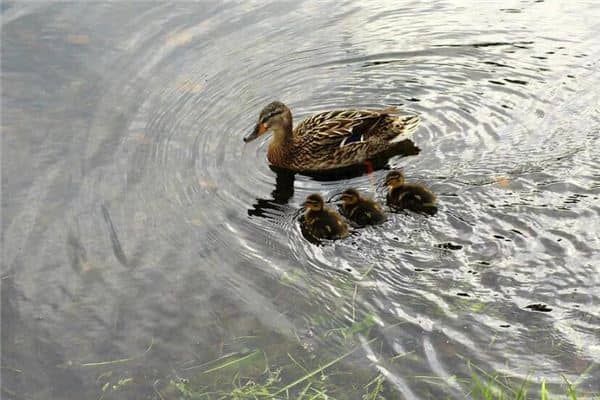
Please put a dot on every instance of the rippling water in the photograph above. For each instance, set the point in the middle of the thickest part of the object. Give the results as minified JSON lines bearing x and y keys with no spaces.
{"x":138,"y":227}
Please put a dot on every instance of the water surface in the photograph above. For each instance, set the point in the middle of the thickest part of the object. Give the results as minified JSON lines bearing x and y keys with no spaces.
{"x":138,"y":228}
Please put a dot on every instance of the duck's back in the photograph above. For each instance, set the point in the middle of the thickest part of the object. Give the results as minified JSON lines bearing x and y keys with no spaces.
{"x":350,"y":126}
{"x":343,"y":138}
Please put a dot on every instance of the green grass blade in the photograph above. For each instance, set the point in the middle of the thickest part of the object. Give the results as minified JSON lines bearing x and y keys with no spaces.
{"x":544,"y":392}
{"x":320,"y":369}
{"x":232,"y":362}
{"x":570,"y":389}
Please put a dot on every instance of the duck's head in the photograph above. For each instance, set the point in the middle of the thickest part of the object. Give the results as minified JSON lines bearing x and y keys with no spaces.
{"x":314,"y":202}
{"x":275,"y":116}
{"x":394,"y":179}
{"x":350,"y":197}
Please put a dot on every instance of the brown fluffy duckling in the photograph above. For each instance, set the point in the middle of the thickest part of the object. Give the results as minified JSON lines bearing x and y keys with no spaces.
{"x":361,"y":210}
{"x":408,"y":196}
{"x":321,"y":222}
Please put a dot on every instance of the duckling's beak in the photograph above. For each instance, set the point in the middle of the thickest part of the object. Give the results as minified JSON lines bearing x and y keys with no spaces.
{"x":259,"y":129}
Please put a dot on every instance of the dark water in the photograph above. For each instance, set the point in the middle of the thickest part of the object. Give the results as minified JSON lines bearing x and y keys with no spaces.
{"x":138,"y":227}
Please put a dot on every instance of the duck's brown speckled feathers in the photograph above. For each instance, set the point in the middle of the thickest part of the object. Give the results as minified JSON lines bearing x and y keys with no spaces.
{"x":334,"y":139}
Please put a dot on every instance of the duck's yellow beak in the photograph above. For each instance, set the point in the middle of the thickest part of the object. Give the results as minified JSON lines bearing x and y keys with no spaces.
{"x":258,"y":131}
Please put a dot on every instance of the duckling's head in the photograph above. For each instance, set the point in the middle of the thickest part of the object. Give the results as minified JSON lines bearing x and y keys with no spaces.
{"x":394,"y":179}
{"x":350,"y":197}
{"x":276,"y":116}
{"x":314,"y":202}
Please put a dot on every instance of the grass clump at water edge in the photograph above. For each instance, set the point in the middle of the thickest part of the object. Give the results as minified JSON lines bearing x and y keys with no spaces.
{"x":291,"y":381}
{"x":491,"y":387}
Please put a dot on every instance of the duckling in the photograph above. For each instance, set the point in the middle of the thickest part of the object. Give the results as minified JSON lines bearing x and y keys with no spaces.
{"x":410,"y":196}
{"x":321,"y":222}
{"x":360,"y":210}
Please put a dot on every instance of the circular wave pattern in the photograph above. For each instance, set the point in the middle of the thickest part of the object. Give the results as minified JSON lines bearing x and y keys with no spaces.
{"x":481,"y":100}
{"x":198,"y":221}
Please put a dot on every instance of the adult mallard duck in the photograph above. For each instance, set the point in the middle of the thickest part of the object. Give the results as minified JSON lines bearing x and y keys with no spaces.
{"x":360,"y":210}
{"x":408,"y":196}
{"x":329,"y":140}
{"x":320,"y":222}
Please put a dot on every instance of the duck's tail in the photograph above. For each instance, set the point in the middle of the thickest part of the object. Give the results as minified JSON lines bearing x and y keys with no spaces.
{"x":404,"y":126}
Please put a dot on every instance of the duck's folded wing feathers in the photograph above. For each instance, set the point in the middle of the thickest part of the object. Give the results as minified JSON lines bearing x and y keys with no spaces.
{"x":342,"y":127}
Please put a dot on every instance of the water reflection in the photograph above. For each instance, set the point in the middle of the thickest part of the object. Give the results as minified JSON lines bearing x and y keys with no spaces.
{"x":283,"y":192}
{"x":284,"y":179}
{"x":132,"y":214}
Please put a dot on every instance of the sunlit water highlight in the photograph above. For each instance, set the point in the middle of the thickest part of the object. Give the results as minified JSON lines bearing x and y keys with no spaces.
{"x":133,"y":214}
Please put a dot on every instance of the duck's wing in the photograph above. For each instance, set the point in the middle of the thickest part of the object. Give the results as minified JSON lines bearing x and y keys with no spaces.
{"x":347,"y":137}
{"x":342,"y":127}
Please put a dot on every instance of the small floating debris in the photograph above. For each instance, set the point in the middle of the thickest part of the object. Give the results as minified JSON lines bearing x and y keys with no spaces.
{"x":502,"y":181}
{"x":449,"y":246}
{"x":78,"y":39}
{"x":539,"y":307}
{"x":179,"y":39}
{"x":190,"y":85}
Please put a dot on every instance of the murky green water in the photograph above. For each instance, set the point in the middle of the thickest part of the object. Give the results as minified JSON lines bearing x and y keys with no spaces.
{"x":145,"y":244}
